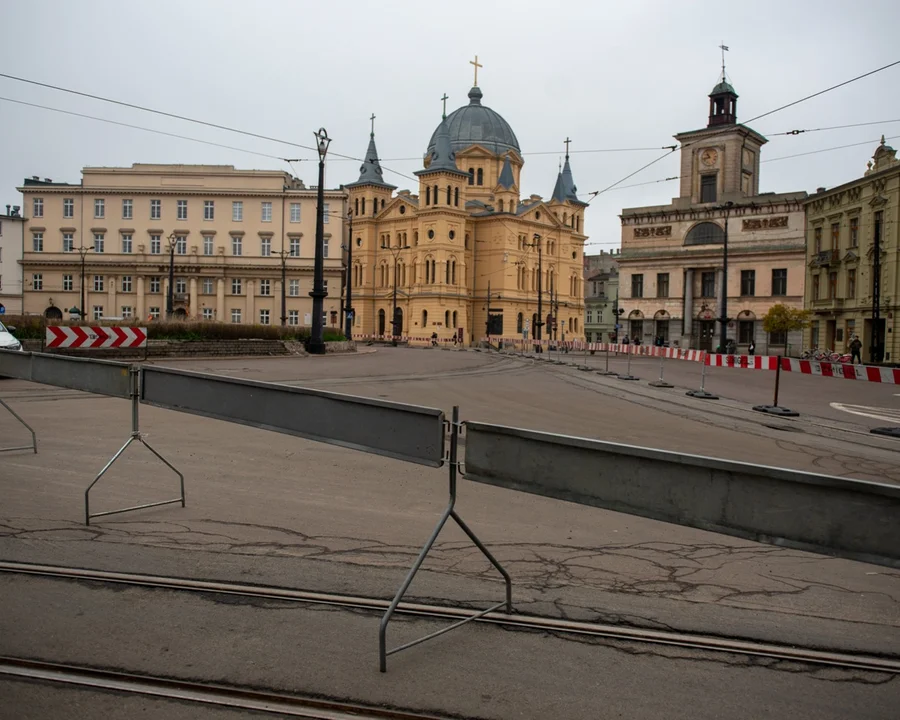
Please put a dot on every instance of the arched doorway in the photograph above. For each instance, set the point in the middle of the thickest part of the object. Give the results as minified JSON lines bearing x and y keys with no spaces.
{"x":661,"y":328}
{"x":706,"y":325}
{"x":519,"y":323}
{"x":180,"y":313}
{"x":636,"y":326}
{"x":53,"y":313}
{"x":398,"y":321}
{"x":381,"y":322}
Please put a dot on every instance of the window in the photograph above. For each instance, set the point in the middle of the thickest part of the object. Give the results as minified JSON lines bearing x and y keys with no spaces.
{"x":748,"y":282}
{"x":127,"y":312}
{"x":637,"y":286}
{"x":293,"y":317}
{"x":237,"y":245}
{"x":181,"y":245}
{"x":708,"y":284}
{"x":705,"y":233}
{"x":832,"y":285}
{"x":206,"y":286}
{"x":235,"y":286}
{"x":155,"y":284}
{"x":817,"y":240}
{"x":155,"y":209}
{"x":471,"y":176}
{"x":182,"y":210}
{"x":263,"y":317}
{"x":814,"y":333}
{"x":295,"y":212}
{"x":265,"y":287}
{"x":68,"y":242}
{"x":209,"y":209}
{"x":707,"y":188}
{"x":237,"y":211}
{"x":235,"y":315}
{"x":814,"y":292}
{"x":67,"y":282}
{"x":745,"y":331}
{"x":456,"y":199}
{"x":325,"y":212}
{"x":294,"y":288}
{"x":127,"y":209}
{"x":126,"y":244}
{"x":126,"y":284}
{"x":99,"y":208}
{"x":854,"y":232}
{"x":266,"y":212}
{"x":98,"y":283}
{"x":155,"y":245}
{"x":779,"y":281}
{"x":265,"y":246}
{"x":208,"y":244}
{"x":98,"y":312}
{"x":37,"y":281}
{"x":68,"y":208}
{"x":325,"y":247}
{"x":835,"y":236}
{"x":180,"y":285}
{"x":37,"y":241}
{"x":662,"y":285}
{"x":590,"y":317}
{"x":295,"y":247}
{"x":851,"y":284}
{"x":480,"y":176}
{"x":154,"y":313}
{"x":207,"y":313}
{"x":424,"y":318}
{"x":99,"y":242}
{"x":38,"y":207}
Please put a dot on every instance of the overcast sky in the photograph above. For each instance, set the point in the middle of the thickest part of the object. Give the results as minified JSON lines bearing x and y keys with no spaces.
{"x":607,"y":74}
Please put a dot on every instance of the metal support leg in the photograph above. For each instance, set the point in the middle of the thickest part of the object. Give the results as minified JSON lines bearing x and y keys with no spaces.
{"x":702,"y":393}
{"x":136,"y":436}
{"x":661,"y":383}
{"x":33,"y":445}
{"x":383,"y":652}
{"x":628,"y":375}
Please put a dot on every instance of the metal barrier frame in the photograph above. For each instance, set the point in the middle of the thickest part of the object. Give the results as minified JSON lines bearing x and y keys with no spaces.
{"x":136,"y":436}
{"x":449,"y":512}
{"x":33,"y":445}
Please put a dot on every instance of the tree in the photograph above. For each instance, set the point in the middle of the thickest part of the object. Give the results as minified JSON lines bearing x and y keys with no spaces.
{"x":784,"y":319}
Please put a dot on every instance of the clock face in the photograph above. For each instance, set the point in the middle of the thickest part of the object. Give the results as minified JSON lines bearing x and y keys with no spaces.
{"x":708,"y":157}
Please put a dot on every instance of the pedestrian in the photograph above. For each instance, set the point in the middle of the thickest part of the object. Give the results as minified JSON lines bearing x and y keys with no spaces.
{"x":434,"y":339}
{"x":855,"y":350}
{"x":625,"y":340}
{"x":751,"y":348}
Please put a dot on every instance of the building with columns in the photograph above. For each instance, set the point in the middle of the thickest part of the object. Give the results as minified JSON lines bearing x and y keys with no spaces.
{"x":466,"y":253}
{"x":853,"y":261}
{"x":672,"y":264}
{"x":235,"y":234}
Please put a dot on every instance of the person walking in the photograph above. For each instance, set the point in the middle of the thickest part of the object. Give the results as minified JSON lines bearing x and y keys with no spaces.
{"x":751,"y":348}
{"x":855,"y":350}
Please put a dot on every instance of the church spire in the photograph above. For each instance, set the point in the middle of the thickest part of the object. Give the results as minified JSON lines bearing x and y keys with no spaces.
{"x":506,"y":180}
{"x":443,"y":157}
{"x":370,"y":173}
{"x":565,"y":189}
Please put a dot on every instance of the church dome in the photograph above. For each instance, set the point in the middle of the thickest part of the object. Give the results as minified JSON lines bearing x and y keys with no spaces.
{"x":723,"y":87}
{"x":477,"y":124}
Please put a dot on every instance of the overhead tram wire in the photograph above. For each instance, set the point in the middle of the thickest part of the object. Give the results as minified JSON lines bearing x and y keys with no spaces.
{"x":822,"y":150}
{"x":747,"y":122}
{"x":833,"y":127}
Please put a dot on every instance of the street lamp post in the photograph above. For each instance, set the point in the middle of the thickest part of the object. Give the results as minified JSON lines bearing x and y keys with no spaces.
{"x":170,"y":296}
{"x":348,"y":307}
{"x":83,"y":251}
{"x":283,"y":255}
{"x":318,"y":293}
{"x":540,"y":307}
{"x":394,"y":330}
{"x":723,"y":321}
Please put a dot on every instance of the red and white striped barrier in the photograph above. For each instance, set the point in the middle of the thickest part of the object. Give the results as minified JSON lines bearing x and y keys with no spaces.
{"x":844,"y":371}
{"x":62,"y":336}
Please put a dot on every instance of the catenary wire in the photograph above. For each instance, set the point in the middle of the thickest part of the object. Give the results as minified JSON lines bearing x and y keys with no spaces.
{"x":833,"y":127}
{"x":822,"y":150}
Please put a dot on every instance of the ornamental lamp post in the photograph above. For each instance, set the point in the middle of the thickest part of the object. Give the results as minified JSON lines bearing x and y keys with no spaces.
{"x":83,"y":251}
{"x":170,"y":296}
{"x":318,"y":293}
{"x":348,"y":307}
{"x":723,"y":321}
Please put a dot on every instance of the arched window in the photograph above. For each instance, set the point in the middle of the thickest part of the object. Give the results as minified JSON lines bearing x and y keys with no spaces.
{"x":454,"y":319}
{"x":520,"y":323}
{"x":480,"y":176}
{"x":467,"y":241}
{"x":449,"y":194}
{"x":424,"y":318}
{"x":565,"y":218}
{"x":501,"y":206}
{"x":705,"y":233}
{"x":381,"y":322}
{"x":447,"y":272}
{"x":453,"y":273}
{"x":428,"y":196}
{"x":433,"y":271}
{"x":446,"y":318}
{"x":471,"y":176}
{"x":356,"y":206}
{"x":456,"y":197}
{"x":435,"y":194}
{"x":416,"y":237}
{"x":382,"y":203}
{"x":363,"y":206}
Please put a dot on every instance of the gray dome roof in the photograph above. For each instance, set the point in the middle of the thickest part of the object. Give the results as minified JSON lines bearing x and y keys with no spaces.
{"x":723,"y":87}
{"x":476,"y":124}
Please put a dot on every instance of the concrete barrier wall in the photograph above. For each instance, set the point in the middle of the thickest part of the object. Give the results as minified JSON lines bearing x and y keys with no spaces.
{"x":836,"y":516}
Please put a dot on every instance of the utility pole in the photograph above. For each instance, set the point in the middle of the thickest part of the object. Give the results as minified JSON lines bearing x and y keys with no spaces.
{"x":723,"y":321}
{"x":487,"y":321}
{"x":83,"y":251}
{"x":318,"y":293}
{"x":540,"y":292}
{"x":170,"y":296}
{"x":283,"y":289}
{"x":876,"y":287}
{"x":394,"y":331}
{"x":348,"y":307}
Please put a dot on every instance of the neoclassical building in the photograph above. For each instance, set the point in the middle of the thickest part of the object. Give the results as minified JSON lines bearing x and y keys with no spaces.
{"x":466,"y":254}
{"x":673,"y":280}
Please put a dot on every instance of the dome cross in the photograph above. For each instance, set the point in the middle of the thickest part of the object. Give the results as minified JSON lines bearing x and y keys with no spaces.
{"x":477,"y":65}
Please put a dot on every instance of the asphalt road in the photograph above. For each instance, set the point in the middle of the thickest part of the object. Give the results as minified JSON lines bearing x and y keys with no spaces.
{"x":268,"y":508}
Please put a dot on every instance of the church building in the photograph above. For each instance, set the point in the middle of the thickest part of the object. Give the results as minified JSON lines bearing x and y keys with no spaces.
{"x":466,"y":255}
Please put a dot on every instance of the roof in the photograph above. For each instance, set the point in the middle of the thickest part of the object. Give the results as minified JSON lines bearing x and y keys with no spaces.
{"x":370,"y":172}
{"x":565,"y":188}
{"x":506,"y":179}
{"x":477,"y":124}
{"x":723,"y":87}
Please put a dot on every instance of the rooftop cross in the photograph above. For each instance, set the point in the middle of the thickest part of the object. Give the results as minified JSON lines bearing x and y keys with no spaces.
{"x":567,"y":141}
{"x":477,"y":65}
{"x":373,"y":124}
{"x":444,"y":100}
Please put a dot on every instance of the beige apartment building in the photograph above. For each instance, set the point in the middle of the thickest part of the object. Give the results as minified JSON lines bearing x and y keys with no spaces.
{"x":601,"y":293}
{"x":233,"y":234}
{"x":672,"y":264}
{"x":844,"y":226}
{"x":11,"y":243}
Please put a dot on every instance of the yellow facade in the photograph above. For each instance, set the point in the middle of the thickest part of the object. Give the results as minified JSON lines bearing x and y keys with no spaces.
{"x":843,"y":225}
{"x":229,"y":227}
{"x":466,"y":244}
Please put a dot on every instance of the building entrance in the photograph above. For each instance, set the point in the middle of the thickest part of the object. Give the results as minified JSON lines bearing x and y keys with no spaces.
{"x":707,"y":334}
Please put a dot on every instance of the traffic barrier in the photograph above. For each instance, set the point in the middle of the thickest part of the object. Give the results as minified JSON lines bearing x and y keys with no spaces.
{"x":843,"y":371}
{"x":64,"y":336}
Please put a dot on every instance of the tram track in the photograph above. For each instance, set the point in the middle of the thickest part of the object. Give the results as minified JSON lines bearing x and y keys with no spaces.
{"x":516,"y":622}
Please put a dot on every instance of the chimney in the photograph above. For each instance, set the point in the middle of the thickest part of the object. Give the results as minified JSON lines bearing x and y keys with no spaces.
{"x":7,"y":209}
{"x":821,"y":189}
{"x":48,"y":180}
{"x":35,"y":177}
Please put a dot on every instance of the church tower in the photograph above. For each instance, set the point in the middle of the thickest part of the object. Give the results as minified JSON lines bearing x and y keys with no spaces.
{"x":564,"y":202}
{"x":369,"y":194}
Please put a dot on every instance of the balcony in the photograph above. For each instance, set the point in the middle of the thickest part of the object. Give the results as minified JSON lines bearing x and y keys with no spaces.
{"x":827,"y":306}
{"x":826,"y":258}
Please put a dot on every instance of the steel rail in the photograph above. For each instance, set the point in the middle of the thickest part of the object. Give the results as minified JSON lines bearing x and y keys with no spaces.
{"x":710,"y":643}
{"x":244,"y":698}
